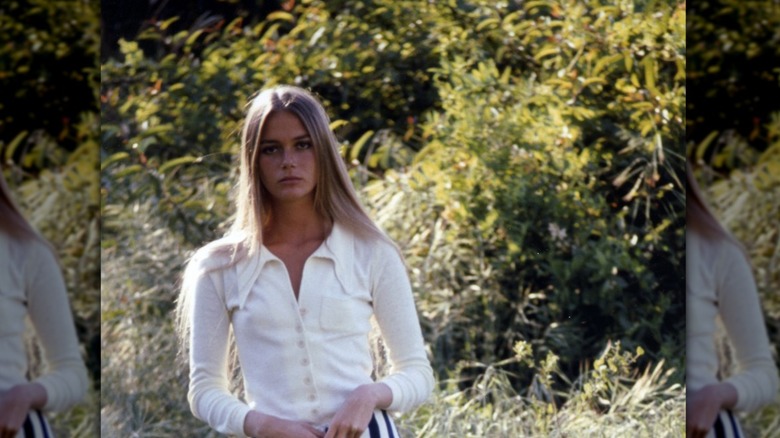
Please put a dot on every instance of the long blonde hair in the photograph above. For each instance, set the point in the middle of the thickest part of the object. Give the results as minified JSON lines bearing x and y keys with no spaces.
{"x":12,"y":222}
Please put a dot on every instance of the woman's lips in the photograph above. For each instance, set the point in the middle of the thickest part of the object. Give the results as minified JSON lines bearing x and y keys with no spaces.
{"x":289,"y":180}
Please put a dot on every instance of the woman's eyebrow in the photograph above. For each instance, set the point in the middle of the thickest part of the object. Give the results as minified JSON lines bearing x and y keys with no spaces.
{"x":272,"y":141}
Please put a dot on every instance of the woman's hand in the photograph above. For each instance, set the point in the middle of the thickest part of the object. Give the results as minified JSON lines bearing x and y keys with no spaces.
{"x":12,"y":414}
{"x":355,"y":414}
{"x":15,"y":403}
{"x":259,"y":425}
{"x":702,"y":407}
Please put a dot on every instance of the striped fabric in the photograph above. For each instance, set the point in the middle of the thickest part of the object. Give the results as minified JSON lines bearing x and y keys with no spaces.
{"x":35,"y":426}
{"x":380,"y":426}
{"x":726,"y":426}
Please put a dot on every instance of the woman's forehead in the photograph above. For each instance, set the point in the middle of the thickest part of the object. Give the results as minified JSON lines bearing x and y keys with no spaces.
{"x":283,"y":125}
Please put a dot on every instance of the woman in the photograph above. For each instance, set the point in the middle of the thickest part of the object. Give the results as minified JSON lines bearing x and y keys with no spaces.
{"x":719,"y":284}
{"x":31,"y":285}
{"x":298,"y":278}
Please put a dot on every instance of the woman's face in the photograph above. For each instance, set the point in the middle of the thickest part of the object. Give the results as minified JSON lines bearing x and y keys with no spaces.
{"x":288,"y":166}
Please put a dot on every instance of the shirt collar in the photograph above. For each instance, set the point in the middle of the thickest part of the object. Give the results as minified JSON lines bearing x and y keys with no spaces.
{"x":339,"y":247}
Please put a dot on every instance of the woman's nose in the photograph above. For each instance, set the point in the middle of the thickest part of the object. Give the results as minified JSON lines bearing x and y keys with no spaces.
{"x":287,"y":159}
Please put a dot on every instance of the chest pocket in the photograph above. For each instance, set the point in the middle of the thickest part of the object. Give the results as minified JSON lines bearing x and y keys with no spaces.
{"x":337,"y":314}
{"x":345,"y":307}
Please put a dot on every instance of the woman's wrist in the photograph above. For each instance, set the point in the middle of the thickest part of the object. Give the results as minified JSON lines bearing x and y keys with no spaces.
{"x":254,"y":422}
{"x":30,"y":395}
{"x":378,"y":395}
{"x":723,"y":393}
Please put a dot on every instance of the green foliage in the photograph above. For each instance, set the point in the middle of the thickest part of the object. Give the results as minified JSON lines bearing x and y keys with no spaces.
{"x":48,"y":68}
{"x":733,"y":77}
{"x":186,"y":101}
{"x":509,"y":215}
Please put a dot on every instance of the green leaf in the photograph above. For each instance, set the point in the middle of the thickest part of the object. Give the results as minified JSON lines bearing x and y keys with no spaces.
{"x":628,"y":60}
{"x":11,"y":148}
{"x":535,"y":4}
{"x":119,"y":156}
{"x":604,"y":62}
{"x":129,"y":170}
{"x":336,"y":124}
{"x":193,"y":36}
{"x":487,"y":23}
{"x":596,"y":80}
{"x":355,"y":152}
{"x":281,"y":15}
{"x":547,"y":50}
{"x":650,"y":70}
{"x":164,"y":24}
{"x":187,"y":159}
{"x":702,"y":147}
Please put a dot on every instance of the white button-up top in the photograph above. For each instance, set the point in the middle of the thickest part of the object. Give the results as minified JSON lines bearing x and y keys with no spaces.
{"x":301,"y":359}
{"x":31,"y":284}
{"x":720,"y":286}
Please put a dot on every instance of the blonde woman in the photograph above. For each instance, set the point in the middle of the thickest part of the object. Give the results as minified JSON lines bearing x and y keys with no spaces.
{"x":297,"y":280}
{"x":31,"y":285}
{"x":720,"y":285}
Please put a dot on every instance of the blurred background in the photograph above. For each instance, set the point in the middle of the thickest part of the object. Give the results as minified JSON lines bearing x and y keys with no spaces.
{"x":733,"y":137}
{"x":527,"y":156}
{"x":49,"y":128}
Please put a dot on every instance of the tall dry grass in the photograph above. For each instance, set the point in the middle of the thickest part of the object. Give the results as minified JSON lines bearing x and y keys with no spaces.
{"x":144,"y":383}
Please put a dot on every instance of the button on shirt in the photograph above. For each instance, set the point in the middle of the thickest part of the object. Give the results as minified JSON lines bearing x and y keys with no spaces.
{"x":300,"y":359}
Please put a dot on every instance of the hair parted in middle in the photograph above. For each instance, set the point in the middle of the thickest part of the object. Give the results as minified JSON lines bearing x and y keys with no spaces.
{"x":334,"y":196}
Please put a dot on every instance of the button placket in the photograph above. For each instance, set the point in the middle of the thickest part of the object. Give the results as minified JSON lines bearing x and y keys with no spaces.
{"x":304,"y":313}
{"x":308,"y":378}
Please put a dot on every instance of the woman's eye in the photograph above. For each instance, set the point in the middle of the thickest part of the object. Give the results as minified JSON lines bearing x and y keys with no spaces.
{"x":267,"y":150}
{"x":304,"y":145}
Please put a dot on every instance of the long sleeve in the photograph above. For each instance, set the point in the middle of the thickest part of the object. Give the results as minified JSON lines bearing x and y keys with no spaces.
{"x":209,"y":396}
{"x":65,"y":381}
{"x":411,"y":377}
{"x":756,"y":380}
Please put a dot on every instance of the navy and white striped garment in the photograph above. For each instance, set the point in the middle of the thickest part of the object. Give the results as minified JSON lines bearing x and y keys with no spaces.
{"x":380,"y":426}
{"x":726,"y":426}
{"x":35,"y":426}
